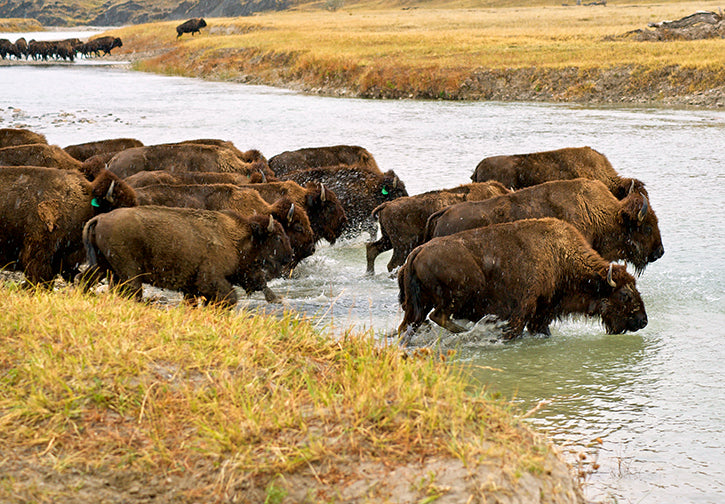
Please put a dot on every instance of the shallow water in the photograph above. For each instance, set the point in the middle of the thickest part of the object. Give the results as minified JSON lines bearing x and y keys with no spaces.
{"x":646,"y":407}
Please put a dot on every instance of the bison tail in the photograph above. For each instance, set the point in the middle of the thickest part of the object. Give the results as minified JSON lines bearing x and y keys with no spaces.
{"x":377,"y":209}
{"x":409,"y":296}
{"x":89,"y":239}
{"x":430,"y":225}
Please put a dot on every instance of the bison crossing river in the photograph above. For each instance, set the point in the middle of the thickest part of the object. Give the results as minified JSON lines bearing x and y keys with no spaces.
{"x":531,"y":243}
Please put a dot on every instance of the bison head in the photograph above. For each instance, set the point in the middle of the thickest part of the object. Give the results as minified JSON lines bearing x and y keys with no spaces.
{"x":109,"y":192}
{"x":274,"y":252}
{"x":643,"y":243}
{"x":296,"y":224}
{"x":620,"y":306}
{"x":392,"y":187}
{"x":326,"y":213}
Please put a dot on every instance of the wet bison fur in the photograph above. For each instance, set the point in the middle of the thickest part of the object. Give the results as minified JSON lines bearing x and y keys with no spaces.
{"x":317,"y":157}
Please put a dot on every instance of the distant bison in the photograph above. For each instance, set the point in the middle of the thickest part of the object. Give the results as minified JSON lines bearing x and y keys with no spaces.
{"x":402,"y":221}
{"x":359,"y":191}
{"x":40,"y":154}
{"x":191,"y":26}
{"x":42,"y":213}
{"x":524,"y":170}
{"x":11,"y":137}
{"x":86,"y":150}
{"x":181,"y":157}
{"x":316,"y":157}
{"x":617,"y":229}
{"x":528,"y":273}
{"x":198,"y":252}
{"x":100,"y":44}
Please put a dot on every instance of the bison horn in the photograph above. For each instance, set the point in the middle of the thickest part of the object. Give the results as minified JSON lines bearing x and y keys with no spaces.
{"x":395,"y":183}
{"x":270,"y":227}
{"x":109,"y":193}
{"x":631,"y":188}
{"x":291,"y":213}
{"x":322,"y":192}
{"x":643,"y":211}
{"x":264,"y":177}
{"x":611,"y":282}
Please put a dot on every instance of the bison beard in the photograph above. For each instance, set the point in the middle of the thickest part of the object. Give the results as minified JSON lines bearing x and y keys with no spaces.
{"x":198,"y":252}
{"x":528,"y":273}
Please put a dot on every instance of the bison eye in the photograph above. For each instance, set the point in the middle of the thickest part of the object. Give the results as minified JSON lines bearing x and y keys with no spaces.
{"x":624,"y":296}
{"x":647,"y":230}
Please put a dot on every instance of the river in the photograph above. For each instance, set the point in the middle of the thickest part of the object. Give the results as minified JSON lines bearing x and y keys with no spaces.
{"x":645,"y":410}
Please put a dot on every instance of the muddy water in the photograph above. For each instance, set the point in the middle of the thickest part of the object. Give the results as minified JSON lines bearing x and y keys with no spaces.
{"x":646,"y":408}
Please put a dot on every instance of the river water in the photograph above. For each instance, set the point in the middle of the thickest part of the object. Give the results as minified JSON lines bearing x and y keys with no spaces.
{"x":645,"y":409}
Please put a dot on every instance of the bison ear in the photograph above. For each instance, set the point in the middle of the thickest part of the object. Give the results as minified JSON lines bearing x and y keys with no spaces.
{"x":634,"y":209}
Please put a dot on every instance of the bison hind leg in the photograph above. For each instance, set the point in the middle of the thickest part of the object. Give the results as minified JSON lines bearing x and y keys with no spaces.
{"x":443,"y":319}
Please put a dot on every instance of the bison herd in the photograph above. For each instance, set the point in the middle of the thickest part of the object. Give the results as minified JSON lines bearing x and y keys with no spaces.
{"x":531,"y":239}
{"x":65,"y":50}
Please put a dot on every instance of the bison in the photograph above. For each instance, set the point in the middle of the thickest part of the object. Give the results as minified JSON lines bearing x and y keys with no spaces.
{"x":12,"y":137}
{"x":617,"y":229}
{"x":8,"y":48}
{"x":198,"y":252}
{"x":42,"y":213}
{"x":191,"y":26}
{"x":326,"y":214}
{"x":100,"y":44}
{"x":528,"y":273}
{"x":358,"y":190}
{"x":402,"y":221}
{"x":247,"y":202}
{"x":147,"y":178}
{"x":177,"y":158}
{"x":39,"y":154}
{"x":83,"y":151}
{"x":317,"y":157}
{"x":524,"y":170}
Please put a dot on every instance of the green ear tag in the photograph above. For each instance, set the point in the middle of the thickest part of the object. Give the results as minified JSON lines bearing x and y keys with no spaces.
{"x":94,"y":202}
{"x":385,"y":191}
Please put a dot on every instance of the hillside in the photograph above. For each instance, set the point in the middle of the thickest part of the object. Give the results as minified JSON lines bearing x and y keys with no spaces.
{"x":118,"y":13}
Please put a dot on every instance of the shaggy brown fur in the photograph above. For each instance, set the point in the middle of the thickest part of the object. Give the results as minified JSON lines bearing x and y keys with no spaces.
{"x":317,"y":157}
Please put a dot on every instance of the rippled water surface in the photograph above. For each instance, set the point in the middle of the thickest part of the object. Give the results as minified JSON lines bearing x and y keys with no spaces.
{"x":647,"y":407}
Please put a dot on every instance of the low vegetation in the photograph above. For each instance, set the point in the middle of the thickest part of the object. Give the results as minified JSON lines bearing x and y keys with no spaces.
{"x":444,"y":51}
{"x":101,"y":394}
{"x":20,"y":25}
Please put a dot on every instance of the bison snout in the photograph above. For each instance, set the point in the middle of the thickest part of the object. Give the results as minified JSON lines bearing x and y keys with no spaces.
{"x":637,"y":322}
{"x":657,"y":253}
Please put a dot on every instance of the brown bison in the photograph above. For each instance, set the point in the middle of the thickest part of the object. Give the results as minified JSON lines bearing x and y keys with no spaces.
{"x":317,"y":157}
{"x":100,"y":44}
{"x":402,"y":221}
{"x":176,"y":158}
{"x":327,"y":216}
{"x":617,"y":229}
{"x":246,"y":202}
{"x":11,"y":137}
{"x":191,"y":26}
{"x":359,"y":191}
{"x":40,"y":154}
{"x":147,"y":178}
{"x":8,"y":48}
{"x":83,"y":151}
{"x":42,"y":213}
{"x":198,"y":252}
{"x":249,"y":156}
{"x":524,"y":170}
{"x":529,"y":273}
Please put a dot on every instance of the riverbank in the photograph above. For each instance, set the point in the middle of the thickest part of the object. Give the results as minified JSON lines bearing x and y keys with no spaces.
{"x":552,"y":54}
{"x":107,"y":400}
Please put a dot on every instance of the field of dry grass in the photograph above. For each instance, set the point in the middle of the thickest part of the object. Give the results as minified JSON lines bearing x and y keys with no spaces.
{"x":104,"y":398}
{"x":436,"y":50}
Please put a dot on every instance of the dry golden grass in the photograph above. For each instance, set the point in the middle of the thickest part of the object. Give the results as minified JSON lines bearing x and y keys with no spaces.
{"x":427,"y":51}
{"x":92,"y":383}
{"x":19,"y":25}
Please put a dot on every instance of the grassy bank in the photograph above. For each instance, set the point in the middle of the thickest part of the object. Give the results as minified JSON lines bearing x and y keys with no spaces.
{"x":101,"y":398}
{"x":453,"y":51}
{"x":19,"y":25}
